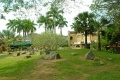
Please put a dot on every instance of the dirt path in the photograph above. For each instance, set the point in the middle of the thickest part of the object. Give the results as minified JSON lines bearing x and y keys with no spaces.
{"x":43,"y":70}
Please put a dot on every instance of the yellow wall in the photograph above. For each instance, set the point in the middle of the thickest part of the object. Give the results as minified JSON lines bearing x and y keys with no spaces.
{"x":78,"y":38}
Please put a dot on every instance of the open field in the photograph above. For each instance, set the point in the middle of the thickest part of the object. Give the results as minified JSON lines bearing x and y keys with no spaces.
{"x":69,"y":67}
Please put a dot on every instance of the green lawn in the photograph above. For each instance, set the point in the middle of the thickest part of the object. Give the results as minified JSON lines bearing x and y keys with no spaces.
{"x":69,"y":67}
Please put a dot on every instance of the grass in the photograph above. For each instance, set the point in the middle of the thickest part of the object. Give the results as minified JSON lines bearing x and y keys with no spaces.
{"x":69,"y":67}
{"x":15,"y":67}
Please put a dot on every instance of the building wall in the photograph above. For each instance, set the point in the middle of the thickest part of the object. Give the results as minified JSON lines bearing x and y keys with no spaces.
{"x":77,"y":40}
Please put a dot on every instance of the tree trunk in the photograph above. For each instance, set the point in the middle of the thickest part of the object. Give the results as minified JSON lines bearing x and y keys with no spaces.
{"x":99,"y":42}
{"x":85,"y":39}
{"x":54,"y":29}
{"x":60,"y":31}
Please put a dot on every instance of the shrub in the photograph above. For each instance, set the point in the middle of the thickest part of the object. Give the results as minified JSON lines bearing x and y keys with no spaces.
{"x":94,"y":45}
{"x":112,"y":50}
{"x":50,"y":41}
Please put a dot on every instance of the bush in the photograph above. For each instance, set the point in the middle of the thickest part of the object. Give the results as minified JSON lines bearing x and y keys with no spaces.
{"x":94,"y":45}
{"x":112,"y":50}
{"x":50,"y":41}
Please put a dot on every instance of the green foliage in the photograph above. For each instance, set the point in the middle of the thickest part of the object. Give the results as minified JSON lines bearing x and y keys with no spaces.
{"x":112,"y":35}
{"x":84,"y":23}
{"x":18,"y":25}
{"x":94,"y":45}
{"x":109,"y":9}
{"x":111,"y":50}
{"x":7,"y":34}
{"x":49,"y":40}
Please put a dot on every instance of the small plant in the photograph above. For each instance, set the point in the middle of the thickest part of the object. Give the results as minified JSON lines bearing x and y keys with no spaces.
{"x":112,"y":50}
{"x":94,"y":45}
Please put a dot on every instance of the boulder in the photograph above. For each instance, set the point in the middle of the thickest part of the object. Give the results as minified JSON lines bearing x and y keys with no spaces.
{"x":38,"y":52}
{"x":27,"y":56}
{"x":47,"y":51}
{"x":51,"y":56}
{"x":90,"y":56}
{"x":101,"y":62}
{"x":16,"y":54}
{"x":96,"y":59}
{"x":23,"y":52}
{"x":74,"y":54}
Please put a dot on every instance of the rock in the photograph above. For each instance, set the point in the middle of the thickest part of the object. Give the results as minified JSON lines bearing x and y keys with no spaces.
{"x":38,"y":53}
{"x":9,"y":53}
{"x":23,"y":52}
{"x":110,"y":59}
{"x":16,"y":54}
{"x":27,"y":56}
{"x":31,"y":50}
{"x":96,"y":59}
{"x":101,"y":62}
{"x":74,"y":54}
{"x":47,"y":51}
{"x":89,"y":56}
{"x":51,"y":56}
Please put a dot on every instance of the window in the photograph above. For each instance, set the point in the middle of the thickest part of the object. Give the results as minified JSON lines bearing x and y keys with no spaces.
{"x":71,"y":37}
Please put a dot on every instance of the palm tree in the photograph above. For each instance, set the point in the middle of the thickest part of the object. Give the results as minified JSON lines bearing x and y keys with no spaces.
{"x":84,"y":23}
{"x":27,"y":27}
{"x":44,"y":20}
{"x":15,"y":25}
{"x":99,"y":26}
{"x":54,"y":14}
{"x":8,"y":34}
{"x":61,"y":23}
{"x":1,"y":35}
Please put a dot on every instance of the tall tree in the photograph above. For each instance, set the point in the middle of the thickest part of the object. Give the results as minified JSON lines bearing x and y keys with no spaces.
{"x":26,"y":26}
{"x":54,"y":13}
{"x":8,"y":34}
{"x":44,"y":20}
{"x":84,"y":23}
{"x":110,"y":9}
{"x":61,"y":23}
{"x":15,"y":25}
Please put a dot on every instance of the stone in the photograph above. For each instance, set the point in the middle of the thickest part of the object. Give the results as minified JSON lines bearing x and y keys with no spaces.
{"x":47,"y":51}
{"x":27,"y":56}
{"x":23,"y":52}
{"x":38,"y":52}
{"x":110,"y":59}
{"x":74,"y":54}
{"x":101,"y":62}
{"x":51,"y":56}
{"x":89,"y":56}
{"x":31,"y":50}
{"x":96,"y":59}
{"x":16,"y":54}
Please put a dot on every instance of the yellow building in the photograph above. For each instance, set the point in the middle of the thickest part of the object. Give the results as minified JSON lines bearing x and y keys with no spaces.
{"x":77,"y":40}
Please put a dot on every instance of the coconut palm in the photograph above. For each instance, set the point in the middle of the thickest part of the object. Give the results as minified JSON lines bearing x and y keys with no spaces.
{"x":84,"y":23}
{"x":99,"y":26}
{"x":61,"y":23}
{"x":44,"y":20}
{"x":28,"y":26}
{"x":54,"y":14}
{"x":8,"y":34}
{"x":15,"y":25}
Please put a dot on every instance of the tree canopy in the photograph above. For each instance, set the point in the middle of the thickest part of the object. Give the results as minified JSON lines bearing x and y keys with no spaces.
{"x":109,"y":9}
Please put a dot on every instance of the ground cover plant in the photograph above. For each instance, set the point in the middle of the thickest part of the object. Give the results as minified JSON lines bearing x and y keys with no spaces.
{"x":69,"y":67}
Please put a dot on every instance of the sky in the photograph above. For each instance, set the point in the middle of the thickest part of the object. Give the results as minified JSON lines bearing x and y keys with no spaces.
{"x":69,"y":14}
